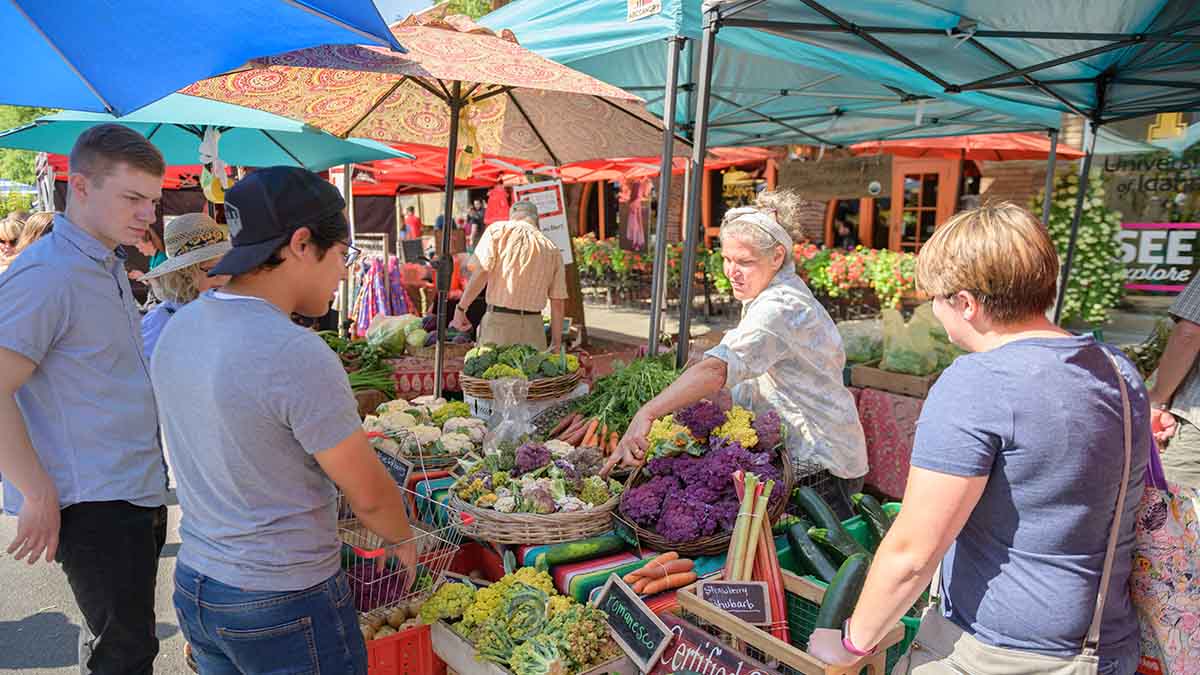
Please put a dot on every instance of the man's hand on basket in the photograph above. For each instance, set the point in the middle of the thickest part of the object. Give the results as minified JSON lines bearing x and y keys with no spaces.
{"x":405,"y":555}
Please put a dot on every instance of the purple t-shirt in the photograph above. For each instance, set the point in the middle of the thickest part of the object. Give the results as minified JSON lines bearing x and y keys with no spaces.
{"x":1042,"y":419}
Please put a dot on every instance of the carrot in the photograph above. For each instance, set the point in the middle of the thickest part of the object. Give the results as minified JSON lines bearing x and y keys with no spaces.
{"x":656,"y":571}
{"x":668,"y":582}
{"x":632,"y":577}
{"x":663,"y":558}
{"x":590,"y":434}
{"x":613,"y":441}
{"x":576,"y":424}
{"x":563,"y":424}
{"x":602,"y":436}
{"x":576,"y":437}
{"x":640,"y":585}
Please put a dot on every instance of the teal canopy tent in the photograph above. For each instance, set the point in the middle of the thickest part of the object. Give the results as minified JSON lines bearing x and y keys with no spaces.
{"x":1105,"y":60}
{"x":745,"y":87}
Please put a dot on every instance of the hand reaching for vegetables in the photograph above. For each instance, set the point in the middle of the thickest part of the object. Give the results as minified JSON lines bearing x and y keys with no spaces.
{"x":631,"y":451}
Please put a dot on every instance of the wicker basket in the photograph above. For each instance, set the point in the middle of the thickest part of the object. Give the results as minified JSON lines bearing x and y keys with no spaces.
{"x":714,"y":544}
{"x":453,"y":351}
{"x":535,"y":528}
{"x":539,"y":390}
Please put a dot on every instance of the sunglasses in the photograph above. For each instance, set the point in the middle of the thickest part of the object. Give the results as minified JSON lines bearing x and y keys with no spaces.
{"x":351,"y":255}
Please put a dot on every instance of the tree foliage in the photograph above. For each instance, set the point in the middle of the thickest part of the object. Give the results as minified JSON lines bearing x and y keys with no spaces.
{"x":1097,"y":273}
{"x":18,"y":164}
{"x":472,"y":8}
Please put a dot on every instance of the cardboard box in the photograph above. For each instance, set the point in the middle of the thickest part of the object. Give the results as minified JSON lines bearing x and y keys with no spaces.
{"x":870,"y":376}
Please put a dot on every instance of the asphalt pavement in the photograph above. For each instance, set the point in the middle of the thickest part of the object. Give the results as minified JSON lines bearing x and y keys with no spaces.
{"x":39,"y":622}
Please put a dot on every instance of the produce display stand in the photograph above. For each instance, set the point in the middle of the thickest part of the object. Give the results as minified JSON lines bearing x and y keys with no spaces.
{"x":871,"y":376}
{"x":459,"y":656}
{"x":539,"y":390}
{"x":760,"y":644}
{"x":535,"y":528}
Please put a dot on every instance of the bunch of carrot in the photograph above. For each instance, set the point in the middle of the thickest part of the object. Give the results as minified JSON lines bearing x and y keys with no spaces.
{"x":752,"y":554}
{"x":666,"y":572}
{"x":587,"y":432}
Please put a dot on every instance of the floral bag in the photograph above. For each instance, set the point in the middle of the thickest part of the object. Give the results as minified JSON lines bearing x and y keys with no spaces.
{"x":1165,"y":584}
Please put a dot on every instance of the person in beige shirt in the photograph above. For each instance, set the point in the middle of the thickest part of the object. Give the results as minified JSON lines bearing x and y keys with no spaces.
{"x":521,"y":269}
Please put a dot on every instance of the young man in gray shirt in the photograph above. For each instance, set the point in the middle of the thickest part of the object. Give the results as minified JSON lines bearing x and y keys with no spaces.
{"x":79,"y":450}
{"x":263,"y":429}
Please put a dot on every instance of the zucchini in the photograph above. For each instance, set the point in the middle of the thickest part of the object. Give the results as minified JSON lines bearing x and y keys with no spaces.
{"x":816,"y":508}
{"x":808,"y":555}
{"x":584,"y":549}
{"x":872,"y":512}
{"x":838,"y":541}
{"x":842,"y":595}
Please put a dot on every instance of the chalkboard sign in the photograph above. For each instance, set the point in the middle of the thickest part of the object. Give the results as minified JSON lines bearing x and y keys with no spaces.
{"x":693,"y":651}
{"x":638,"y":630}
{"x":747,"y":600}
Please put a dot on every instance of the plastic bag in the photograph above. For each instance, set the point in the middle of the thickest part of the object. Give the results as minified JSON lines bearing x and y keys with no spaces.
{"x":946,"y":351}
{"x":391,"y":332}
{"x":511,"y":420}
{"x":908,"y":347}
{"x":862,"y":340}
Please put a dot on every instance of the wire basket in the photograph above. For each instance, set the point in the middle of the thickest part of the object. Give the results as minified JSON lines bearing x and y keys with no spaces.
{"x":379,"y":581}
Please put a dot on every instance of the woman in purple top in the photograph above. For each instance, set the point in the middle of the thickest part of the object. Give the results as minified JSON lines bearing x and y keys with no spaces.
{"x":1019,"y":463}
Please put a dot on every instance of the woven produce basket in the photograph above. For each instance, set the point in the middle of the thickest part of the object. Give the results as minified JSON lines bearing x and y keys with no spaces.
{"x":535,"y":528}
{"x":713,"y":544}
{"x":453,"y":351}
{"x":539,"y":390}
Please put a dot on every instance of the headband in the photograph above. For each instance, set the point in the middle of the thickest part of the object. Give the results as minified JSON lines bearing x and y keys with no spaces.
{"x":763,"y":220}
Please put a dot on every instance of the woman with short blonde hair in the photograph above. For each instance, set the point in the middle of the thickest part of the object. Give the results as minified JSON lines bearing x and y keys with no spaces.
{"x":36,"y":226}
{"x":1023,"y":488}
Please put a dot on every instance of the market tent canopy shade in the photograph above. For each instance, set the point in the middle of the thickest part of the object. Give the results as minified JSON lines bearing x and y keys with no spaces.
{"x":980,"y":147}
{"x":177,"y":177}
{"x":117,"y":57}
{"x":1106,"y":60}
{"x":766,"y":89}
{"x":176,"y":126}
{"x":517,"y":104}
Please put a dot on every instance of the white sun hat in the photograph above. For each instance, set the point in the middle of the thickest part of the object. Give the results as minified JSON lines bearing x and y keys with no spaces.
{"x":190,"y":239}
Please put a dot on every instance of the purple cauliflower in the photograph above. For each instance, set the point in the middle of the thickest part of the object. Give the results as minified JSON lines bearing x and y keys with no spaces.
{"x":644,"y":503}
{"x":569,"y":473}
{"x":530,"y":457}
{"x":701,"y":418}
{"x":769,"y":429}
{"x":680,"y":520}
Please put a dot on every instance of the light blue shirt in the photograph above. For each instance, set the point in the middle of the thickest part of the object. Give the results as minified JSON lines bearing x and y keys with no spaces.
{"x":154,"y":322}
{"x":66,"y":305}
{"x":786,"y":355}
{"x":247,"y":398}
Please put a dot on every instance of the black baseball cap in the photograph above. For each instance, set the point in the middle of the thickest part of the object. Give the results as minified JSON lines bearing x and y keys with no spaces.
{"x":264,"y":209}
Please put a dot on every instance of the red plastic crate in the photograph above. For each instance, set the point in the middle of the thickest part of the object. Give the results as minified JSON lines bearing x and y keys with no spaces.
{"x":473,"y":556}
{"x":408,"y":652}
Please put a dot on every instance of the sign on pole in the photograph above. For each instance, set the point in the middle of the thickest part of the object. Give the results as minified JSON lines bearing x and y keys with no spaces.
{"x":552,"y":212}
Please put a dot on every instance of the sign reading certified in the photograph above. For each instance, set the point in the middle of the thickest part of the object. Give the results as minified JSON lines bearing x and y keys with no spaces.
{"x":640,"y":9}
{"x":1159,"y":256}
{"x":552,"y":213}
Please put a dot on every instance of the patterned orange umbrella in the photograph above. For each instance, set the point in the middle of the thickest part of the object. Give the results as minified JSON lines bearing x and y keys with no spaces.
{"x":514,"y":102}
{"x":459,"y":86}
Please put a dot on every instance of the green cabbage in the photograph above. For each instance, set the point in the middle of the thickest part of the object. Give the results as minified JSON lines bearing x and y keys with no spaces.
{"x":388,"y":333}
{"x":416,"y":337}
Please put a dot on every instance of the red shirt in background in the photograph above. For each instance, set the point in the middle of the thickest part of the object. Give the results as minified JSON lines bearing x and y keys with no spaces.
{"x":412,"y":222}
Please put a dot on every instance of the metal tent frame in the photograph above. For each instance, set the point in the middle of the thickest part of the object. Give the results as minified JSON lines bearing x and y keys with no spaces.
{"x":1125,"y":84}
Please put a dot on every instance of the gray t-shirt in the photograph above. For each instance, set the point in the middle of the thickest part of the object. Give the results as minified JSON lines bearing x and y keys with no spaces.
{"x":1042,"y":419}
{"x":247,"y":398}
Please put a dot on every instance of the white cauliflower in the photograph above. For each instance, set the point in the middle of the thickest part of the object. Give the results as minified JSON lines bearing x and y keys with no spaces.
{"x":384,"y":444}
{"x":472,"y":427}
{"x":398,"y":405}
{"x":505,"y":504}
{"x":558,"y":448}
{"x":569,"y":504}
{"x":429,"y":401}
{"x":371,"y":424}
{"x":393,"y":421}
{"x":425,"y":434}
{"x":456,"y":444}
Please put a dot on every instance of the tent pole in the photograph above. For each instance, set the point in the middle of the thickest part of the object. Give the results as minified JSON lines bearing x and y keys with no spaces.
{"x":445,"y":266}
{"x":691,"y":216}
{"x":348,"y":193}
{"x":1079,"y":198}
{"x":659,"y":269}
{"x":1048,"y":199}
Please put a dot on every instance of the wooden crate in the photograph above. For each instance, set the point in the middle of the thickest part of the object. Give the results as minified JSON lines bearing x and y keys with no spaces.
{"x":459,"y":656}
{"x":870,"y":376}
{"x":776,"y":649}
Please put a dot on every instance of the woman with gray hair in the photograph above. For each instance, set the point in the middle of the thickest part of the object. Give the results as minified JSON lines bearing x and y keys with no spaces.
{"x":784,"y":355}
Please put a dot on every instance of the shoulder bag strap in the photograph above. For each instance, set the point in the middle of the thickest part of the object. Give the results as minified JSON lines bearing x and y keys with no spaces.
{"x":1093,"y":635}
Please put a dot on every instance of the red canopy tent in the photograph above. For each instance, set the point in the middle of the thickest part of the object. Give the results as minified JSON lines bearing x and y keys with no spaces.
{"x":979,"y":147}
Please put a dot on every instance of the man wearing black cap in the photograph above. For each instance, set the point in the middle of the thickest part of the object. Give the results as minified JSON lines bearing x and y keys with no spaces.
{"x":263,"y":430}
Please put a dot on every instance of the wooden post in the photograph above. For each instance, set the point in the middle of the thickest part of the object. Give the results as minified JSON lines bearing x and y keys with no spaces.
{"x":602,"y":221}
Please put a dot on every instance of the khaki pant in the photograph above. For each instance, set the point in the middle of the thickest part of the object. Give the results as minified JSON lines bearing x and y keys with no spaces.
{"x":942,"y":648}
{"x":1181,"y":457}
{"x":502,"y":328}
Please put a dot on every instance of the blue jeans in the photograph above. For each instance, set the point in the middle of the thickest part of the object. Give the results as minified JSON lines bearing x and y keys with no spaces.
{"x":234,"y":631}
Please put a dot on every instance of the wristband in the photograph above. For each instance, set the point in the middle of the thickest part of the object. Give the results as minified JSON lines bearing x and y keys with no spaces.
{"x":848,"y":645}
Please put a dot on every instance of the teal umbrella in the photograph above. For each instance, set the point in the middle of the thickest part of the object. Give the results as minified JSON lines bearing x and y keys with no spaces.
{"x":177,"y":124}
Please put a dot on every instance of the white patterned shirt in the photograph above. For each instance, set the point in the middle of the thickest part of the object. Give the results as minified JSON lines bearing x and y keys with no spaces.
{"x":786,"y":355}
